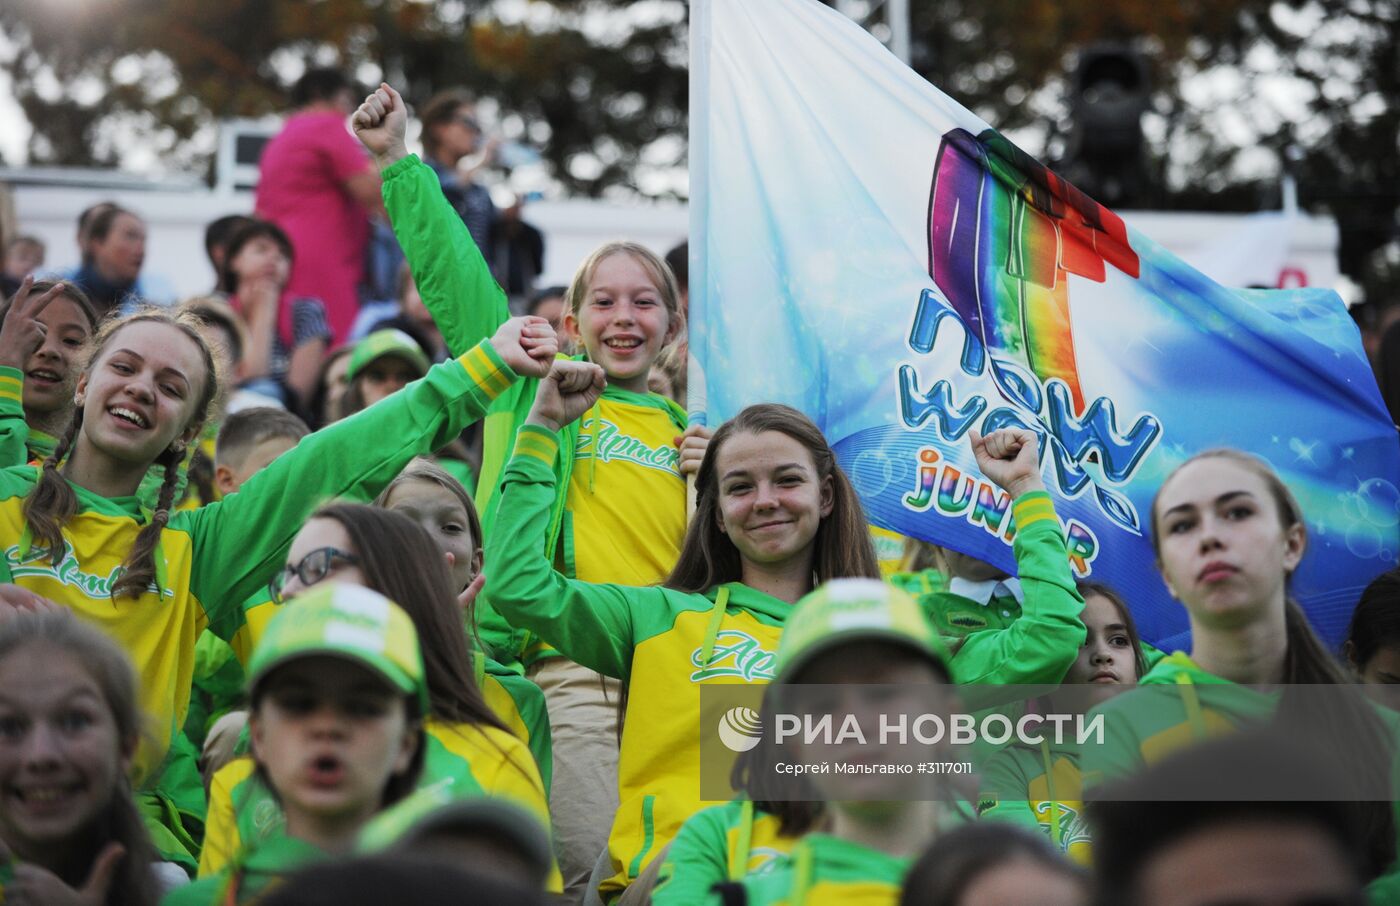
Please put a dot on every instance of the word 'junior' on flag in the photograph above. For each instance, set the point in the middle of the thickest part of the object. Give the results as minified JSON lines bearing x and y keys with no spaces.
{"x":868,"y":251}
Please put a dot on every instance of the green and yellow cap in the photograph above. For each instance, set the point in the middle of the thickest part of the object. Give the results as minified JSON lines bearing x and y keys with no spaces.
{"x":442,"y":808}
{"x":850,"y":610}
{"x":391,"y":342}
{"x":345,"y":621}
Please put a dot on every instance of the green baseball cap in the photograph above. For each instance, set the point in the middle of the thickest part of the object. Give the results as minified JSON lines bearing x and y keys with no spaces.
{"x":392,"y":342}
{"x":848,"y":610}
{"x":350,"y":622}
{"x":444,"y":809}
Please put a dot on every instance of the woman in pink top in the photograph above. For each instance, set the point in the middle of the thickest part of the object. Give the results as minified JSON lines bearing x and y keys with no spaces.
{"x":317,"y":184}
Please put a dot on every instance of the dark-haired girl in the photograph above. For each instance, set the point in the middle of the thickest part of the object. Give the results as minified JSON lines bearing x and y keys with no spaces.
{"x":1228,"y":535}
{"x":775,"y":515}
{"x":41,"y":353}
{"x":469,"y":750}
{"x":287,"y":336}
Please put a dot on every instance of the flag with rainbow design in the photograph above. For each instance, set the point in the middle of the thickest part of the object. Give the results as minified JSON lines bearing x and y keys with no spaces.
{"x":868,"y":251}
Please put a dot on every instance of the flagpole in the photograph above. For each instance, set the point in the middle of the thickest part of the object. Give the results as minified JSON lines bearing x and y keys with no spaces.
{"x":701,"y":16}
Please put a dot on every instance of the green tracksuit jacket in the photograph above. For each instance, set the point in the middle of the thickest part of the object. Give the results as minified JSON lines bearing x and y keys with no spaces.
{"x":467,"y":305}
{"x":660,"y":633}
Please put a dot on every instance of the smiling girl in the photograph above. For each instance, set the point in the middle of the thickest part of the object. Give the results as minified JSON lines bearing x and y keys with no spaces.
{"x":338,"y":698}
{"x":725,"y":842}
{"x":618,"y":513}
{"x":774,"y":516}
{"x":41,"y":351}
{"x":774,"y":513}
{"x":69,"y":727}
{"x":153,"y":581}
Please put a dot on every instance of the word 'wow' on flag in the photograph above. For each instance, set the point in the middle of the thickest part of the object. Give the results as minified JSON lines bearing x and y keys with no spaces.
{"x":870,"y":252}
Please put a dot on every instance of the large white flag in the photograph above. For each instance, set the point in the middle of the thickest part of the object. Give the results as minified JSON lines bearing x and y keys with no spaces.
{"x":873,"y":254}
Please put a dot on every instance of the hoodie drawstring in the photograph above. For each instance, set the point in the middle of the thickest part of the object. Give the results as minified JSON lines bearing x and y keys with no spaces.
{"x":707,"y":650}
{"x":1050,"y":791}
{"x":801,"y":874}
{"x":739,"y":862}
{"x":587,"y":427}
{"x":1194,"y":714}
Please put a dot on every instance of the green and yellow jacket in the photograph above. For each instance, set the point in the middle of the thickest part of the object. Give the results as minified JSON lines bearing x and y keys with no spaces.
{"x":1177,"y":705}
{"x":717,"y":844}
{"x":826,"y":871}
{"x":672,"y":642}
{"x":1040,"y":788}
{"x":251,"y":878}
{"x":467,"y":305}
{"x":210,"y":559}
{"x":471,"y":760}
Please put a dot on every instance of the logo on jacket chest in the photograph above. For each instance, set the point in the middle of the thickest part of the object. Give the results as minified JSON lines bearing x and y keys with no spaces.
{"x":601,"y":439}
{"x":736,"y":654}
{"x":68,"y":572}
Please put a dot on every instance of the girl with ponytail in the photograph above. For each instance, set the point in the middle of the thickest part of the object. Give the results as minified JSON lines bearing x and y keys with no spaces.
{"x":1228,"y":536}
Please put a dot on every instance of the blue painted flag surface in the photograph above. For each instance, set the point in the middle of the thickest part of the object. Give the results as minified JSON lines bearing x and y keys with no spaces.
{"x":870,"y":252}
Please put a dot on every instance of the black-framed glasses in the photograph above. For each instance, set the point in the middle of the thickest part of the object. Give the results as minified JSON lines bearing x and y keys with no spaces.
{"x":314,"y":567}
{"x":470,"y":122}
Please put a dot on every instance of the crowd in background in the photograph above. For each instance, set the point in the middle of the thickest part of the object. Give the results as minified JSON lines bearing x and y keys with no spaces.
{"x":371,"y":573}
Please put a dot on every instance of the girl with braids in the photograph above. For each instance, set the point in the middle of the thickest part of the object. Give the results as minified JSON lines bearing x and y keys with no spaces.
{"x":69,"y":830}
{"x":468,"y":747}
{"x":1228,"y":535}
{"x":153,"y":581}
{"x":44,"y":331}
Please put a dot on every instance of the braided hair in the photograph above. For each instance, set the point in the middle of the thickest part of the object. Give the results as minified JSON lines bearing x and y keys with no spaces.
{"x":52,"y":502}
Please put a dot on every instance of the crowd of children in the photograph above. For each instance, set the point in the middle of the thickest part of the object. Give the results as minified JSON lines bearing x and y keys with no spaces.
{"x":430,"y":616}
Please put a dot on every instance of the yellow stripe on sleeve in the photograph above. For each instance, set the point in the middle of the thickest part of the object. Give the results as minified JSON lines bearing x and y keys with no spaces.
{"x":484,"y":372}
{"x":532,"y":440}
{"x":1031,"y":508}
{"x":12,"y":388}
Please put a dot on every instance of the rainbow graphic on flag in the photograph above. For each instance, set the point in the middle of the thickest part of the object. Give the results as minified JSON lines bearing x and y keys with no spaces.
{"x":1030,"y":229}
{"x":873,"y":254}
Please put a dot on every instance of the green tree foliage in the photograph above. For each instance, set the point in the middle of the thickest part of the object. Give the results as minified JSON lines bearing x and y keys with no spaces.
{"x":1239,"y":84}
{"x":600,"y":85}
{"x":596,"y":84}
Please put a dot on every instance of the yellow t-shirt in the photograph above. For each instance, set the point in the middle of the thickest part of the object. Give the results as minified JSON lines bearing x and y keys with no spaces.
{"x":626,"y":503}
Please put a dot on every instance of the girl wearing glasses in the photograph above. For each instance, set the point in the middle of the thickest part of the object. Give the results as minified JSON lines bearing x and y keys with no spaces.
{"x":468,"y":746}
